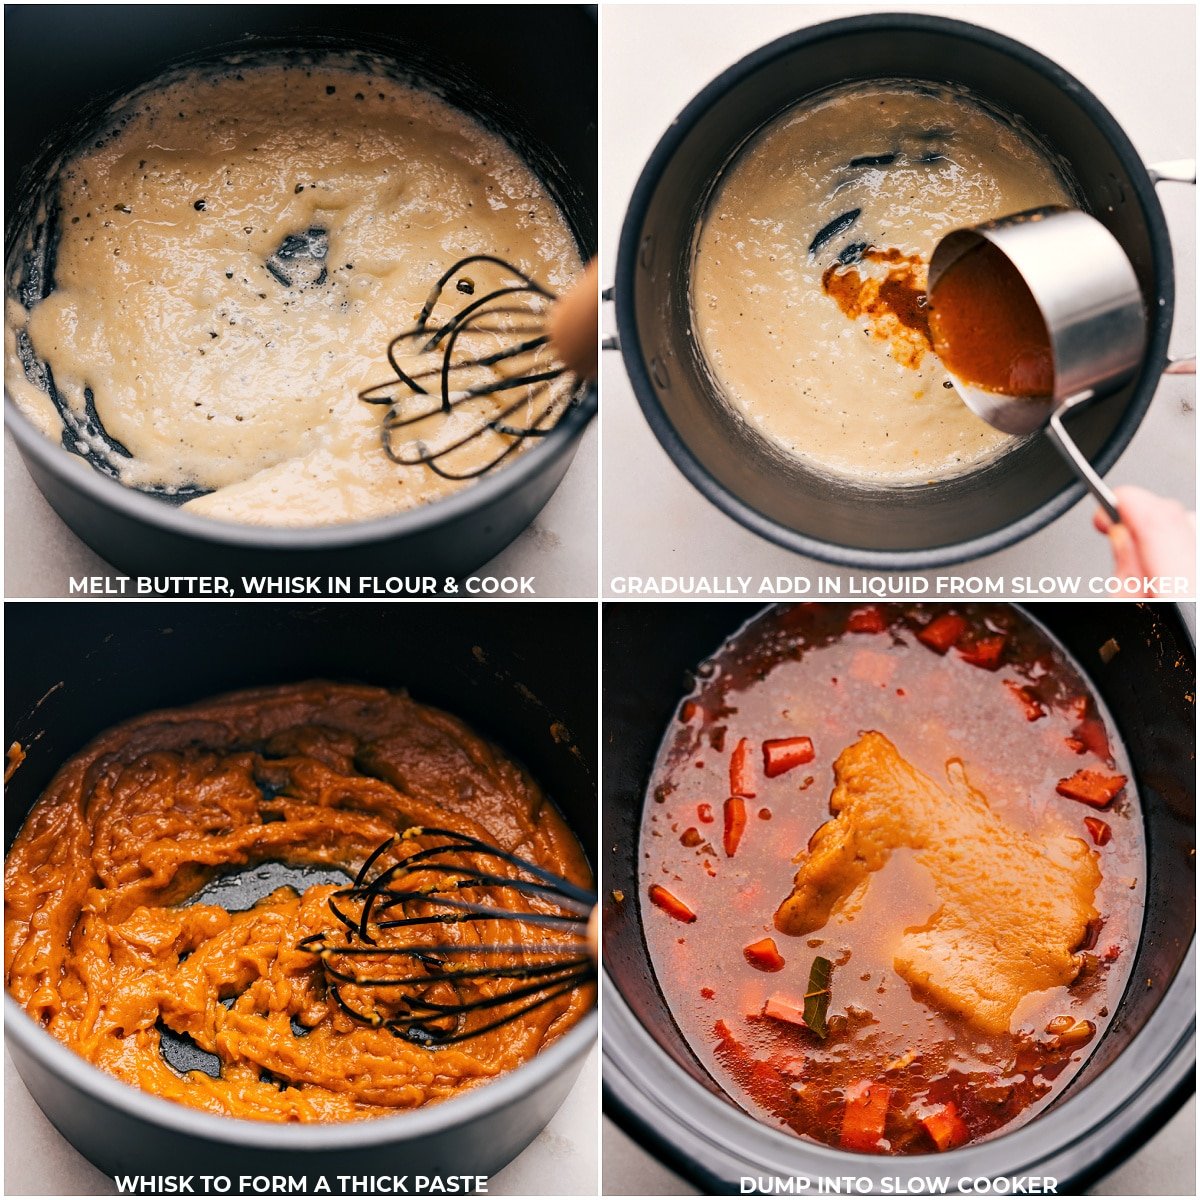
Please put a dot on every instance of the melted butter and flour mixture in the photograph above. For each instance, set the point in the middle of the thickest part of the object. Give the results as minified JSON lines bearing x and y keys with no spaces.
{"x":808,"y":279}
{"x":234,"y":255}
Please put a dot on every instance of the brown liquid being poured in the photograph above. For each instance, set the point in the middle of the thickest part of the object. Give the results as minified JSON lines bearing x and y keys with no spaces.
{"x":893,"y":301}
{"x":987,"y":328}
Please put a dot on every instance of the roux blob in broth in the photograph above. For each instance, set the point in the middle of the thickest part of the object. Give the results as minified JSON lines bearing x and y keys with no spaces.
{"x":808,"y":275}
{"x":234,"y":254}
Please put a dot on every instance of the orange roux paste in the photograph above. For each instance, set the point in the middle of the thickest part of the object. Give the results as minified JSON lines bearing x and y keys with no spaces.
{"x":102,"y":945}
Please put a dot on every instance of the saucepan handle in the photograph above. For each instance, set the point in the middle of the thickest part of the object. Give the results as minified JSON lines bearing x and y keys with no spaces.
{"x":1176,"y":170}
{"x":612,"y":341}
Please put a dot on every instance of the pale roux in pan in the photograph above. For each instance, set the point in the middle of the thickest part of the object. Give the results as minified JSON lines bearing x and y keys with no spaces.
{"x":212,"y":372}
{"x":854,"y":396}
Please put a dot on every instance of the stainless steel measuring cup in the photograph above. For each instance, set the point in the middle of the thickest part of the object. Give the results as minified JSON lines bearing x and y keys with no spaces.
{"x":1086,"y":290}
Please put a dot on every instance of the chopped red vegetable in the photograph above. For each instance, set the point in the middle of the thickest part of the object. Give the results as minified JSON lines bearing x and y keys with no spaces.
{"x":942,"y":632}
{"x":780,"y":1008}
{"x":1101,"y":831}
{"x":704,"y":813}
{"x":985,"y":652}
{"x":741,"y":775}
{"x":764,"y":955}
{"x":671,"y":905}
{"x":946,"y":1127}
{"x":735,"y":823}
{"x":1092,"y":787}
{"x":1034,"y":709}
{"x":782,"y":754}
{"x":1091,"y":735}
{"x":1112,"y":953}
{"x":866,"y":620}
{"x":865,"y":1116}
{"x":689,"y":711}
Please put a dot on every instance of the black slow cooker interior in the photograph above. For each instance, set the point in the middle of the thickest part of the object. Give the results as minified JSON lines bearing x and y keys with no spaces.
{"x":518,"y":673}
{"x":733,"y":464}
{"x":649,"y":651}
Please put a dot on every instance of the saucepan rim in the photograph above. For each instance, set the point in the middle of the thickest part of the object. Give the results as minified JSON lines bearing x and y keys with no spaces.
{"x":1154,"y":360}
{"x":410,"y":1126}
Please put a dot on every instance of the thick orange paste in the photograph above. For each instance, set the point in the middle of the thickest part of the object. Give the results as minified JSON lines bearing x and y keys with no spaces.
{"x":102,"y":945}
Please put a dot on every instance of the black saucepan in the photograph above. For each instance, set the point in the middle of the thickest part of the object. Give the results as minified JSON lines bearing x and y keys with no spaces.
{"x":779,"y":498}
{"x":65,"y":63}
{"x":1137,"y":1076}
{"x":514,"y":672}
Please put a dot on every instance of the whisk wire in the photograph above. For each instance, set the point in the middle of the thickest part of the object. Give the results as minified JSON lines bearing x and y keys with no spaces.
{"x":442,"y":343}
{"x":516,"y":977}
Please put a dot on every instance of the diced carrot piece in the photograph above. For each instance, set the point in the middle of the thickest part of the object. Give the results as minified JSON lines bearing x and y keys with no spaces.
{"x":1092,"y":787}
{"x":764,"y":955}
{"x":1101,"y":831}
{"x":866,"y":620}
{"x":985,"y":652}
{"x":780,"y":1008}
{"x":741,"y":774}
{"x":735,"y":823}
{"x":865,"y":1116}
{"x":1093,"y":736}
{"x":704,"y":813}
{"x":670,"y":904}
{"x":942,"y":632}
{"x":946,"y":1127}
{"x":782,"y":754}
{"x":1034,"y":709}
{"x":689,"y":711}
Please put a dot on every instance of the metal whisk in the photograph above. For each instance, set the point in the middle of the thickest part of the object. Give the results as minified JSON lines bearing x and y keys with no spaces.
{"x":468,"y":376}
{"x":381,"y":972}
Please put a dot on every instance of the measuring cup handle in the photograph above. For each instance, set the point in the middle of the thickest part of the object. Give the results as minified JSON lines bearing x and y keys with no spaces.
{"x":1057,"y":433}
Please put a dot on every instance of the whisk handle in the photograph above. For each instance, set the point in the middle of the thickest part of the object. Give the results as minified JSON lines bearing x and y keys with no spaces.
{"x":574,"y":323}
{"x":593,"y":934}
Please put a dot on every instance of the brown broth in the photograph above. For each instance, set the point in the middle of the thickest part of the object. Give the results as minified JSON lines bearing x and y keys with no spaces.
{"x":987,"y":328}
{"x":799,"y":671}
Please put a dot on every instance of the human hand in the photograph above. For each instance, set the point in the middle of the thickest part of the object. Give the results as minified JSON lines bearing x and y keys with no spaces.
{"x":1156,"y":538}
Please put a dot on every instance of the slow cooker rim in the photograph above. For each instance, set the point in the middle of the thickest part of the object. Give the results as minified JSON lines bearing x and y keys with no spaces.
{"x":491,"y":488}
{"x":1143,"y":389}
{"x":402,"y":1127}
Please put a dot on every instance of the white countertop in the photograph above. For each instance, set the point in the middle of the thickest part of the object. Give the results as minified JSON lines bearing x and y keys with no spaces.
{"x":562,"y":1161}
{"x":1138,"y":59}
